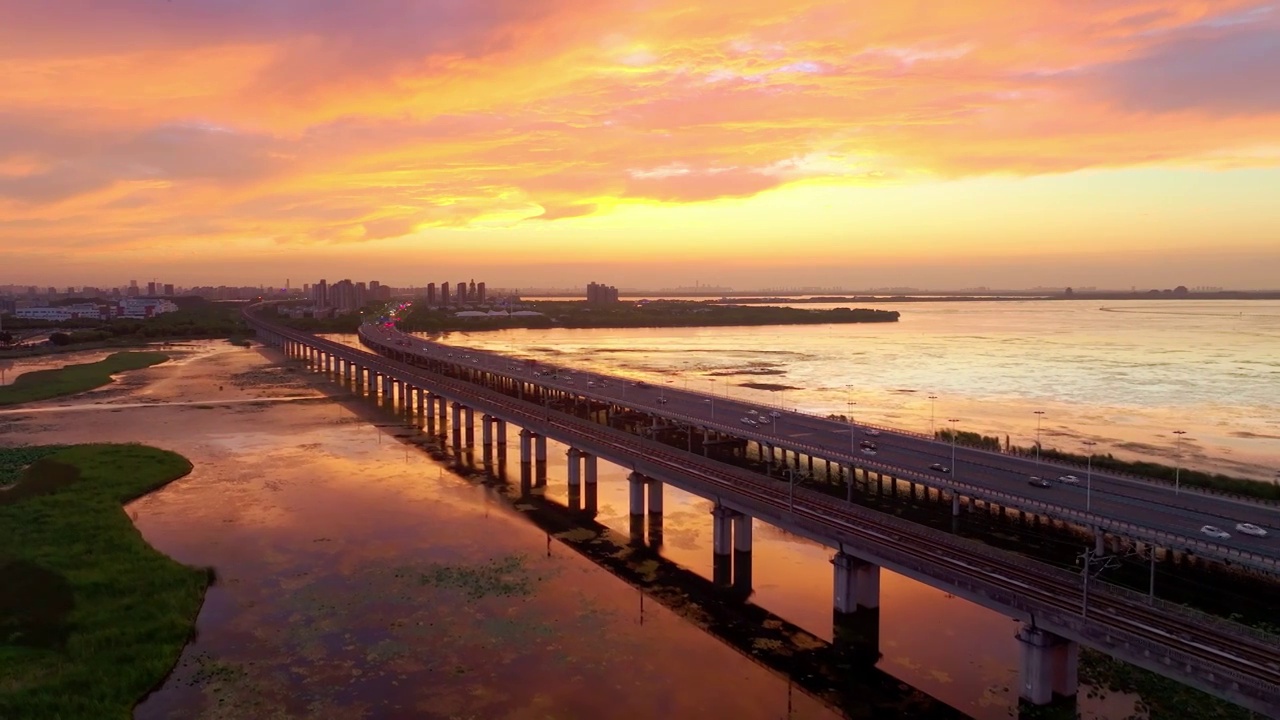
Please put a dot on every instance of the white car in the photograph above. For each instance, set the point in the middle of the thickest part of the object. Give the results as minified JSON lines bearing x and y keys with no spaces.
{"x":1251,"y":529}
{"x":872,"y":432}
{"x":745,"y":421}
{"x":775,"y":413}
{"x":752,"y":412}
{"x":1215,"y":532}
{"x":1069,"y":479}
{"x":868,"y":451}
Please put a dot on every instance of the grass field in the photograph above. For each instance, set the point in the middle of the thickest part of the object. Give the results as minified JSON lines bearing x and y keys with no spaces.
{"x":91,"y":616}
{"x":72,"y":379}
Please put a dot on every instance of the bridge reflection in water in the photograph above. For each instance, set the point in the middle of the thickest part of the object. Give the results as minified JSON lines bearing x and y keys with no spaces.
{"x":1047,"y":597}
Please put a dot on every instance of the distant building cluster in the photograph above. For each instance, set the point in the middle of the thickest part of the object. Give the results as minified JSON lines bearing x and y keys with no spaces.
{"x":133,"y":308}
{"x":464,"y":293}
{"x":346,"y":296}
{"x":598,"y":294}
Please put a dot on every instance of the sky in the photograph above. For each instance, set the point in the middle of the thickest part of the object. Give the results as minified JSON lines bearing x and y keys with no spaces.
{"x":641,"y":143}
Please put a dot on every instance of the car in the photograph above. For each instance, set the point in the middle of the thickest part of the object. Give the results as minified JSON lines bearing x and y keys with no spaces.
{"x":872,"y":432}
{"x":745,"y":420}
{"x":870,"y":445}
{"x":1215,"y":532}
{"x":763,"y":420}
{"x":1069,"y":480}
{"x":752,"y":412}
{"x":661,"y":401}
{"x":1039,"y":482}
{"x":775,"y":413}
{"x":868,"y":451}
{"x":1251,"y":529}
{"x":940,"y":468}
{"x":641,"y":384}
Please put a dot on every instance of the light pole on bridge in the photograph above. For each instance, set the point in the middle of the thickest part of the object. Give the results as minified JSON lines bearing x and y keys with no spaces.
{"x":1177,"y":468}
{"x":1039,"y":417}
{"x":953,"y":422}
{"x":1088,"y":478}
{"x":932,"y":430}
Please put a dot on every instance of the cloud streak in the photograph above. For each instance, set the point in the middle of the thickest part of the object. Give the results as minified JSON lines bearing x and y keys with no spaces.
{"x":133,"y":123}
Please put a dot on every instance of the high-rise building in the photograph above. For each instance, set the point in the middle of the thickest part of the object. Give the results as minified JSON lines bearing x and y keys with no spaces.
{"x":151,"y":288}
{"x":320,"y":294}
{"x":462,"y":293}
{"x":471,"y":294}
{"x":598,"y":294}
{"x":480,"y":293}
{"x":444,"y":294}
{"x":431,"y":294}
{"x":168,"y":289}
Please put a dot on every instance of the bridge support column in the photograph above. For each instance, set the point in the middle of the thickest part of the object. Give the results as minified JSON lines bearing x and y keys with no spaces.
{"x":457,"y":424}
{"x":486,"y":430}
{"x":575,"y":468}
{"x":845,"y":596}
{"x":742,"y":581}
{"x":955,"y":504}
{"x":1050,"y":666}
{"x":526,"y":447}
{"x":1099,"y":542}
{"x":636,"y":481}
{"x":422,"y":408}
{"x":655,"y":496}
{"x":469,"y":425}
{"x":590,"y":499}
{"x":741,"y":533}
{"x":722,"y":545}
{"x":502,"y":433}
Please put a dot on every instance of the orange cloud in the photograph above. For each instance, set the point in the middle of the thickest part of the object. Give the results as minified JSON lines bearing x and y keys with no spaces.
{"x":134,"y":124}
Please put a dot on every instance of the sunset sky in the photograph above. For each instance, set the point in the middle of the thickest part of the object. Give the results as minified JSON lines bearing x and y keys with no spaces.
{"x":641,"y":142}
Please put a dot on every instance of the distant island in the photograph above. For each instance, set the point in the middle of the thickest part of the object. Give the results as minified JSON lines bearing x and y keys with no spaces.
{"x":1067,"y":294}
{"x":658,"y":313}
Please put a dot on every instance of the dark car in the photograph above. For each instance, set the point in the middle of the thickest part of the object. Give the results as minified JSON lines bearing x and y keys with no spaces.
{"x":1039,"y":482}
{"x":940,"y":468}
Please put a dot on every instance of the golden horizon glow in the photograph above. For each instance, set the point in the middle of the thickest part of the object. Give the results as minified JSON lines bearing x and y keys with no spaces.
{"x":214,"y":139}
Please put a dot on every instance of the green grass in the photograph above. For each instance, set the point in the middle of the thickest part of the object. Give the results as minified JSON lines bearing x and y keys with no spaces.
{"x":72,"y":379}
{"x":91,"y":616}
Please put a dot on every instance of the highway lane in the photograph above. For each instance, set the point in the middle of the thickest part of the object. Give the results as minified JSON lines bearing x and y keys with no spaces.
{"x":1153,"y":505}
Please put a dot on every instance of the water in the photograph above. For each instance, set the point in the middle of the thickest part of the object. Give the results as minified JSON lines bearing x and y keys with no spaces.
{"x":1124,"y":377}
{"x":322,"y":522}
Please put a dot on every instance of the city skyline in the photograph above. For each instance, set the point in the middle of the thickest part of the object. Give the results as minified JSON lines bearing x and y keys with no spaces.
{"x":547,"y":143}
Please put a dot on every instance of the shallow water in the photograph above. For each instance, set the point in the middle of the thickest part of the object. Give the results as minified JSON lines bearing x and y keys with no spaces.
{"x":1124,"y":377}
{"x":360,"y":578}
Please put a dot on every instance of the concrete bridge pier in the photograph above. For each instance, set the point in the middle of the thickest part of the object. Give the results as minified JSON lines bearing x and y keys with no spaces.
{"x":591,"y":493}
{"x":486,"y":431}
{"x":635,"y":486}
{"x":501,"y":430}
{"x":575,"y":477}
{"x":457,"y":425}
{"x":1049,"y":667}
{"x":742,"y":581}
{"x":526,"y":455}
{"x":955,"y":505}
{"x":1099,"y":542}
{"x":856,"y":612}
{"x":722,"y":545}
{"x":469,"y":425}
{"x":655,"y":512}
{"x":540,"y":460}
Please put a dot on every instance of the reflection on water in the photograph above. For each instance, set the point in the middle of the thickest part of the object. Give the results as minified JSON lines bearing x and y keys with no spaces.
{"x":360,"y":578}
{"x":1124,"y":377}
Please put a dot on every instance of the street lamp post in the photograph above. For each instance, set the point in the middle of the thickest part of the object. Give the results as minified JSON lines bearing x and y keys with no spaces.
{"x":1177,"y":468}
{"x":953,"y":422}
{"x":850,"y":404}
{"x":1088,"y":478}
{"x":1039,"y":417}
{"x":932,"y":430}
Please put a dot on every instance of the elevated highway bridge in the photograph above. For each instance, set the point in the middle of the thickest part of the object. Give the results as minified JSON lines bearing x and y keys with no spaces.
{"x":1060,"y":609}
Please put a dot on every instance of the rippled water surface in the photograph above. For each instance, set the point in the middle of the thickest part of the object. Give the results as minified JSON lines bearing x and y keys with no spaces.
{"x":1125,"y":375}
